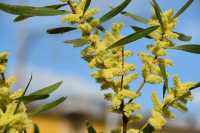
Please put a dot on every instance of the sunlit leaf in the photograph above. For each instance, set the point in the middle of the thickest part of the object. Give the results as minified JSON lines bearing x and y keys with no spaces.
{"x":196,"y":86}
{"x":48,"y":90}
{"x":29,"y":10}
{"x":183,"y":8}
{"x":21,"y":17}
{"x":135,"y":17}
{"x":180,"y":106}
{"x":90,"y":128}
{"x":115,"y":11}
{"x":48,"y":106}
{"x":31,"y":98}
{"x":158,"y":12}
{"x":134,"y":37}
{"x":77,"y":42}
{"x":60,"y":30}
{"x":192,"y":48}
{"x":183,"y":37}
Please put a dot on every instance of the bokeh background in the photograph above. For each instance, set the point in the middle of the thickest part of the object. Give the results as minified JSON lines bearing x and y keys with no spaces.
{"x":48,"y":59}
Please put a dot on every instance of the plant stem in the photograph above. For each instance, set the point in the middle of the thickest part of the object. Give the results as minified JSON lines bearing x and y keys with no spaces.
{"x":71,"y":6}
{"x":140,"y":87}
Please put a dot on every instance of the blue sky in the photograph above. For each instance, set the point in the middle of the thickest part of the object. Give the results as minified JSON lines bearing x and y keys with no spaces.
{"x":32,"y":50}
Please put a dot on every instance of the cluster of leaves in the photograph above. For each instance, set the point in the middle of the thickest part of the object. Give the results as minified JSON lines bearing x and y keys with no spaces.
{"x":176,"y":96}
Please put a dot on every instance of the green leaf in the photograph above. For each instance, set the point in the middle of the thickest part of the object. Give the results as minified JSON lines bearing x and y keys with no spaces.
{"x":183,"y":8}
{"x":136,"y":28}
{"x":183,"y":37}
{"x":90,"y":128}
{"x":135,"y":17}
{"x":77,"y":42}
{"x":164,"y":75}
{"x":31,"y":98}
{"x":134,"y":37}
{"x":148,"y":129}
{"x":60,"y":30}
{"x":48,"y":106}
{"x":21,"y":17}
{"x":87,"y":5}
{"x":115,"y":11}
{"x":36,"y":129}
{"x":158,"y":12}
{"x":196,"y":86}
{"x":192,"y":48}
{"x":48,"y":90}
{"x":29,"y":10}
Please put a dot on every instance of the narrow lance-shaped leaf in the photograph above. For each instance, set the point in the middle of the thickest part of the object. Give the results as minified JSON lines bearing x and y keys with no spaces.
{"x":135,"y":17}
{"x":137,"y":29}
{"x":31,"y":98}
{"x":29,"y":10}
{"x":36,"y":129}
{"x":48,"y":90}
{"x":77,"y":42}
{"x":134,"y":37}
{"x":115,"y":11}
{"x":196,"y":86}
{"x":90,"y":128}
{"x":183,"y":37}
{"x":21,"y":17}
{"x":165,"y":78}
{"x":87,"y":5}
{"x":192,"y":48}
{"x":158,"y":12}
{"x":48,"y":106}
{"x":183,"y":8}
{"x":60,"y":30}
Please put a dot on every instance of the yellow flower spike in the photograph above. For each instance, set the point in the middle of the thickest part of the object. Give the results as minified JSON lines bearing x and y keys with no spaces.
{"x":85,"y":28}
{"x":127,"y":94}
{"x":116,"y":28}
{"x":90,"y":13}
{"x":130,"y":107}
{"x":116,"y":102}
{"x":71,"y":18}
{"x":11,"y":80}
{"x":157,"y":105}
{"x":95,"y":23}
{"x":3,"y":55}
{"x":153,"y":79}
{"x":157,"y":120}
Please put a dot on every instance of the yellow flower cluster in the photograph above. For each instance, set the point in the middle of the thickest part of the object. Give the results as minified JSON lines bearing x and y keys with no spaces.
{"x":3,"y":61}
{"x":81,"y":17}
{"x":134,"y":131}
{"x":14,"y":120}
{"x":177,"y":97}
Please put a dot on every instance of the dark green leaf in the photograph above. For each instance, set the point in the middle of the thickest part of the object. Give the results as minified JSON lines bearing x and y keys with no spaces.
{"x":183,"y":37}
{"x":183,"y":8}
{"x":29,"y":10}
{"x":87,"y":5}
{"x":192,"y":48}
{"x":148,"y":129}
{"x":60,"y":30}
{"x":196,"y":86}
{"x":137,"y":29}
{"x":165,"y":78}
{"x":77,"y":42}
{"x":101,"y":28}
{"x":36,"y":129}
{"x":90,"y":128}
{"x":115,"y":11}
{"x":134,"y":37}
{"x":31,"y":98}
{"x":48,"y":90}
{"x":135,"y":17}
{"x":48,"y":106}
{"x":158,"y":12}
{"x":21,"y":17}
